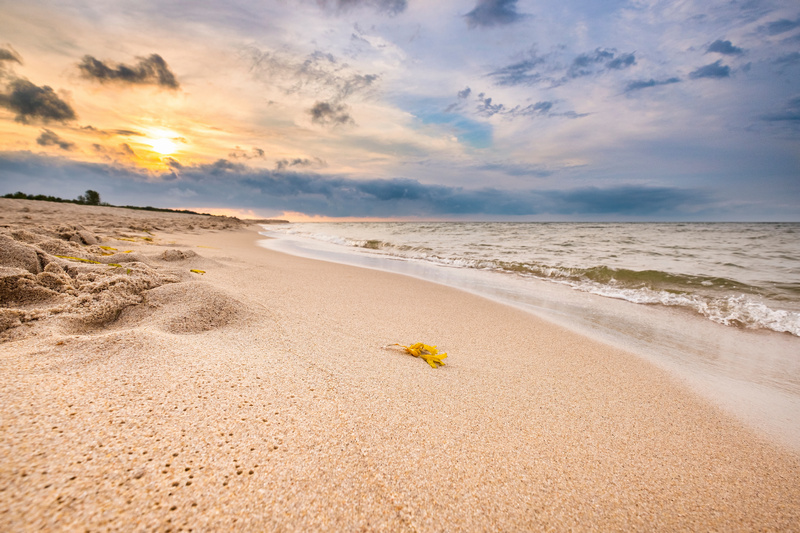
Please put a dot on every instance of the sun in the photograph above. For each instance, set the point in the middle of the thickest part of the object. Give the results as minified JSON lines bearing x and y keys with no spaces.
{"x":164,"y":146}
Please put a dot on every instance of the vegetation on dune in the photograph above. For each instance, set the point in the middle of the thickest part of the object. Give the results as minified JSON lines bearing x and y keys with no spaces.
{"x":93,"y":198}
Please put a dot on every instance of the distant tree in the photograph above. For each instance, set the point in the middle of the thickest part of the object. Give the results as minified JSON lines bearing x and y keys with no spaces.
{"x":90,"y":198}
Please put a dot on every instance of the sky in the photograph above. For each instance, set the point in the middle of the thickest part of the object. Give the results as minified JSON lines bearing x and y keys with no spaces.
{"x":537,"y":110}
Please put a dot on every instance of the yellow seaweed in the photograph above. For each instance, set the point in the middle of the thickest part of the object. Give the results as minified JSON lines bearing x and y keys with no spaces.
{"x":429,"y":353}
{"x":82,"y":260}
{"x":108,"y":248}
{"x":79,"y":259}
{"x":125,"y":239}
{"x":197,"y":271}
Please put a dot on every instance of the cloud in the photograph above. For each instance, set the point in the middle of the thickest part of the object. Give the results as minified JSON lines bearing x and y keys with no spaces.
{"x":515,"y":169}
{"x":283,"y":164}
{"x":644,"y":84}
{"x":780,"y":26}
{"x":30,"y":101}
{"x":519,"y":73}
{"x":9,"y":55}
{"x":152,"y":70}
{"x":319,"y":74}
{"x":529,"y":70}
{"x":792,"y":58}
{"x":487,"y":107}
{"x":713,"y":70}
{"x":227,"y":184}
{"x":465,"y":93}
{"x":51,"y":138}
{"x":583,"y":65}
{"x":330,"y":113}
{"x":790,"y":113}
{"x":622,"y":61}
{"x":489,"y":13}
{"x":254,"y":153}
{"x":392,"y":7}
{"x":724,"y":47}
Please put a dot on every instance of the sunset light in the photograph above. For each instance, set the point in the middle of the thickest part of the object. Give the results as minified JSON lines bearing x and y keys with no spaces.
{"x":164,"y":146}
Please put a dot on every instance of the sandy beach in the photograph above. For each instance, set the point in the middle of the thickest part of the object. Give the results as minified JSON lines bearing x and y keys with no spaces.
{"x":260,"y":395}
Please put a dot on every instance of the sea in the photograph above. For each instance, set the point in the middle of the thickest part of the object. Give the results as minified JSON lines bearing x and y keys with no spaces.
{"x":715,"y":304}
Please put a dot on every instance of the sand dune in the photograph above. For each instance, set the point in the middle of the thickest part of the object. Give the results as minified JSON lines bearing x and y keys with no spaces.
{"x":261,"y":396}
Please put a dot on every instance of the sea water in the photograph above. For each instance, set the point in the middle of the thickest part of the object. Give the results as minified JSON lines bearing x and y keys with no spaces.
{"x":718,"y":305}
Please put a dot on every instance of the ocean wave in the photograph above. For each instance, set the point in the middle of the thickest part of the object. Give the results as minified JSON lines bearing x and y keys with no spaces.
{"x":721,"y":300}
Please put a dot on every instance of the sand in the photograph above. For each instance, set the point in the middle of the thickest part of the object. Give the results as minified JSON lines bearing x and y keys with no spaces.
{"x":260,"y":396}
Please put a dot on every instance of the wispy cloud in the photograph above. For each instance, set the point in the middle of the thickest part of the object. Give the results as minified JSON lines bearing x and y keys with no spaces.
{"x":392,"y":7}
{"x":151,"y":70}
{"x":789,"y":113}
{"x":645,"y":84}
{"x":549,"y":70}
{"x":779,"y":26}
{"x":522,"y":72}
{"x":319,"y":74}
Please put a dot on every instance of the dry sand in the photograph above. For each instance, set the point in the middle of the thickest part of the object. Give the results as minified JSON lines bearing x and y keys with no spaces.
{"x":259,"y":397}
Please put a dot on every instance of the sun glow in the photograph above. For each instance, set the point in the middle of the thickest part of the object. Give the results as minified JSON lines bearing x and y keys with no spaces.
{"x":164,"y":146}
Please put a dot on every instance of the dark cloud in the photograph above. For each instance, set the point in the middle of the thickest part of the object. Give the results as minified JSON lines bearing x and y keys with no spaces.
{"x":9,"y":55}
{"x":790,"y":113}
{"x":644,"y":84}
{"x":465,"y":93}
{"x":152,"y":70}
{"x":330,"y":113}
{"x":622,"y":61}
{"x":489,"y":13}
{"x":780,"y":26}
{"x":627,"y":200}
{"x":392,"y":7}
{"x":51,"y":138}
{"x":724,"y":47}
{"x":713,"y":70}
{"x":227,"y":184}
{"x":30,"y":101}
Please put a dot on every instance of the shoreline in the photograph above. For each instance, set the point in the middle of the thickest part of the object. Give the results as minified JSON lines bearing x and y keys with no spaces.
{"x":749,"y":373}
{"x":259,"y":395}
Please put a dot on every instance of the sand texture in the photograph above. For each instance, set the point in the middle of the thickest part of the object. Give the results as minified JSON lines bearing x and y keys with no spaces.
{"x":260,"y":396}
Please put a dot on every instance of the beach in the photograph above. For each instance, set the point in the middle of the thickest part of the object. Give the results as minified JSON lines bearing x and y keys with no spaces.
{"x":261,"y":393}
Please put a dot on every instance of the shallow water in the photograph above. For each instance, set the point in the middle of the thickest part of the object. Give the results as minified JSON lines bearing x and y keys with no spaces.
{"x":714,"y":304}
